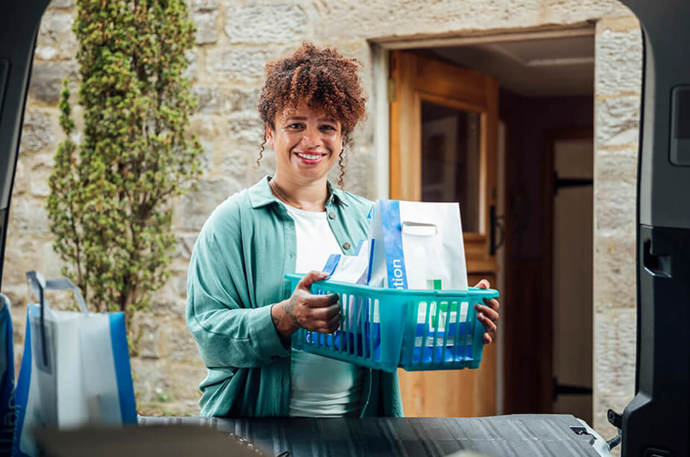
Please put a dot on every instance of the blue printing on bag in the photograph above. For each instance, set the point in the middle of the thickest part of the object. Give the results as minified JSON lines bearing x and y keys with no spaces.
{"x":392,"y":242}
{"x":6,"y":380}
{"x":331,"y":265}
{"x":123,"y":371}
{"x":23,"y":383}
{"x":371,"y":259}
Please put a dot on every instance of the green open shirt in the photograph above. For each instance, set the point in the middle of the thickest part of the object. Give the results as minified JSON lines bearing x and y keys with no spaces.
{"x":236,"y":272}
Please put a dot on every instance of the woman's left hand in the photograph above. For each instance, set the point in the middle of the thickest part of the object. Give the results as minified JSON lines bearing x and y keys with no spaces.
{"x":488,"y":313}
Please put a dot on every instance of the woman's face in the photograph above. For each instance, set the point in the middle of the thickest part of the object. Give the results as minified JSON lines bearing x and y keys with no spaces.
{"x":307,"y":143}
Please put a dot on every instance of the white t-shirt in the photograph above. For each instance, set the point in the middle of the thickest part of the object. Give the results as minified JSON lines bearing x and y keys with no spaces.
{"x":320,"y":387}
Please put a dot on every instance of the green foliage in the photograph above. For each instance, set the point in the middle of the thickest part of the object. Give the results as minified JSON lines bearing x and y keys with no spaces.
{"x":110,"y":194}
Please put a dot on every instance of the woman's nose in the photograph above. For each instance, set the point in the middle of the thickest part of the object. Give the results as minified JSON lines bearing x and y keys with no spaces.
{"x":311,"y":137}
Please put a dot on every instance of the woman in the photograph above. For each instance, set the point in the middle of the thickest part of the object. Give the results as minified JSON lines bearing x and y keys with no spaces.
{"x":310,"y":104}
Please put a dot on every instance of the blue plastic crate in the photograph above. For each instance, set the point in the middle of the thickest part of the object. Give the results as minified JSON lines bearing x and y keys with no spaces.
{"x":390,"y":328}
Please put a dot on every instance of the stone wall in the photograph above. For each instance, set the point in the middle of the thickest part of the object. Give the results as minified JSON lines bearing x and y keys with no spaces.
{"x":618,"y":81}
{"x":234,"y":40}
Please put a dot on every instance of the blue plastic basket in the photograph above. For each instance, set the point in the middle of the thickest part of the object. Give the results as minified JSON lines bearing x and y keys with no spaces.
{"x":390,"y":328}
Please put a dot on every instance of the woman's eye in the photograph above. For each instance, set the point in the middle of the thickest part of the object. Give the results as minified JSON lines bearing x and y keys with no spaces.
{"x":327,"y":127}
{"x":296,"y":125}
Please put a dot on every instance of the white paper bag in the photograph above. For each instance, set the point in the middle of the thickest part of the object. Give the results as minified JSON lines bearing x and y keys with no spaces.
{"x":417,"y":245}
{"x":349,"y":268}
{"x":75,"y":369}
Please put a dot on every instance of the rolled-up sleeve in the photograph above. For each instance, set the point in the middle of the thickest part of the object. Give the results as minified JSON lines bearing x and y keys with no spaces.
{"x":228,"y":332}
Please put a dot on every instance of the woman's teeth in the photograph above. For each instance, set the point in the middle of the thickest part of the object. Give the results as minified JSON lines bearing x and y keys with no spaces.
{"x":309,"y":156}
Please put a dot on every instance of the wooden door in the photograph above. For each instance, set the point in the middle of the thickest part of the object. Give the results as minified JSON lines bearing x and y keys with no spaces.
{"x":443,"y":138}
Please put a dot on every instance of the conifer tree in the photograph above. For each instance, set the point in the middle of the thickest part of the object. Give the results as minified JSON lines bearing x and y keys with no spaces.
{"x":113,"y":183}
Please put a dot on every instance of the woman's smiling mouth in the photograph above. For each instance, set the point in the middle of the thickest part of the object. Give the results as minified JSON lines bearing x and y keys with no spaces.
{"x":310,"y":156}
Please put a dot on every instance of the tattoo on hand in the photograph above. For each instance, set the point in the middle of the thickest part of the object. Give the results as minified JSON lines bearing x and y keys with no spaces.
{"x":289,"y":309}
{"x":283,"y":321}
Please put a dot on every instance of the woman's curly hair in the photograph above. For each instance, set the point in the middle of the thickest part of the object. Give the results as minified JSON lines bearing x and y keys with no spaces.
{"x":320,"y":77}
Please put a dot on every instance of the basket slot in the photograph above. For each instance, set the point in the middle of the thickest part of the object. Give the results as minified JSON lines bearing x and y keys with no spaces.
{"x":368,"y":326}
{"x":467,"y":335}
{"x":355,"y":337}
{"x":324,"y":339}
{"x":412,"y":306}
{"x":343,"y":300}
{"x":348,"y":319}
{"x":446,"y":329}
{"x":375,"y":330}
{"x":456,"y":335}
{"x":436,"y":326}
{"x":362,"y":335}
{"x":425,"y":332}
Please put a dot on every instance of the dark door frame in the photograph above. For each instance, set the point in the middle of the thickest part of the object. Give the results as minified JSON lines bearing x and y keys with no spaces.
{"x":528,"y":331}
{"x":551,"y":137}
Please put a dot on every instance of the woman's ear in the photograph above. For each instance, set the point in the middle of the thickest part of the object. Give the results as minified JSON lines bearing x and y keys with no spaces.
{"x":269,"y":135}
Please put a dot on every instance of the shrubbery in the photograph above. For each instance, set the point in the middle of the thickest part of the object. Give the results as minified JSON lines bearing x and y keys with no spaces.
{"x":112,"y":184}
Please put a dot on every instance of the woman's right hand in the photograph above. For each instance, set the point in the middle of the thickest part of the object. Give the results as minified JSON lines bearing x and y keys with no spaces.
{"x":320,"y":313}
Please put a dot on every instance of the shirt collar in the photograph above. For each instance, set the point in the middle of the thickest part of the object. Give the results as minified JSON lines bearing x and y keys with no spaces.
{"x":260,"y":194}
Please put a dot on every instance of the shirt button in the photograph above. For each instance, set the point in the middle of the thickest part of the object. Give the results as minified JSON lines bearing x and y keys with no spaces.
{"x":331,"y":215}
{"x":346,"y":246}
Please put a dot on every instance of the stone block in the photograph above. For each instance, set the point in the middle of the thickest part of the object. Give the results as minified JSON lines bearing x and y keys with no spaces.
{"x":146,"y":334}
{"x":46,"y":79}
{"x":618,"y":62}
{"x":203,"y":5}
{"x":167,"y":383}
{"x":197,"y":206}
{"x":230,"y":145}
{"x":568,"y":11}
{"x":21,"y":178}
{"x":29,"y":216}
{"x":210,"y":99}
{"x":615,"y":270}
{"x":205,"y":23}
{"x":26,"y":252}
{"x":37,"y":131}
{"x":614,"y":206}
{"x":165,"y":304}
{"x":245,"y":65}
{"x":55,"y":37}
{"x":177,"y":343}
{"x":382,"y":18}
{"x":277,"y":23}
{"x":617,"y":121}
{"x":221,"y":100}
{"x":185,"y":378}
{"x":617,"y":165}
{"x":40,"y":186}
{"x":151,"y":379}
{"x":246,"y":128}
{"x":614,"y":364}
{"x":61,"y":4}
